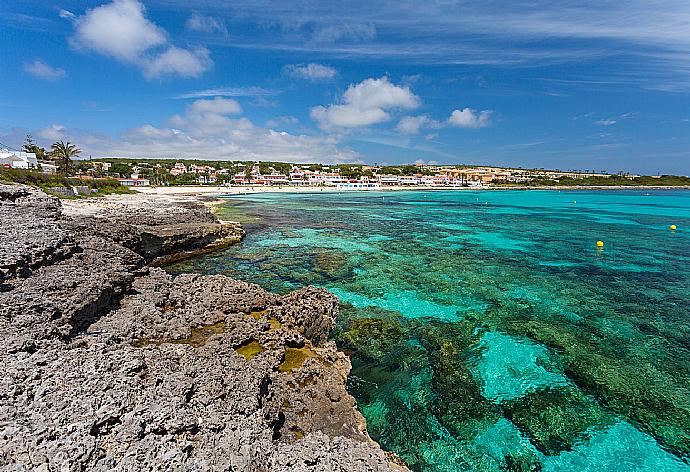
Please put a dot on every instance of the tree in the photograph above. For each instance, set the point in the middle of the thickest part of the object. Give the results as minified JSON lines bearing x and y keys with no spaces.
{"x":389,"y":170}
{"x":31,"y":146}
{"x":265,"y":168}
{"x":122,"y":169}
{"x":408,"y":170}
{"x":282,"y":167}
{"x":351,"y":172}
{"x":63,"y":152}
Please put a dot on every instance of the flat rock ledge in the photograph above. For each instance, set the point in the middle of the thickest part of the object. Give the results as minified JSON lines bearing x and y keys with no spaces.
{"x":108,"y":363}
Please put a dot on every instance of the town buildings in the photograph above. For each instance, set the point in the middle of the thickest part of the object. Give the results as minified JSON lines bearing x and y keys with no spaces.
{"x":348,"y":176}
{"x":373,"y":176}
{"x":24,"y":160}
{"x":178,"y":169}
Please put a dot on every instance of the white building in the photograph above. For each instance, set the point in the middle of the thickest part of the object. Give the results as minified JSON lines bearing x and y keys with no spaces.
{"x":240,"y":178}
{"x":136,"y":182}
{"x":408,"y":180}
{"x":276,"y":179}
{"x":105,"y":166}
{"x":207,"y":179}
{"x":201,"y":169}
{"x":178,"y":169}
{"x":18,"y":159}
{"x":388,"y":179}
{"x":47,"y":168}
{"x":326,"y":178}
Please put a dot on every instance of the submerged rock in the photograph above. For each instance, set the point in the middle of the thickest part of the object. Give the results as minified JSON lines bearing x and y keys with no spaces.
{"x":372,"y":337}
{"x":112,"y":364}
{"x":557,"y":419}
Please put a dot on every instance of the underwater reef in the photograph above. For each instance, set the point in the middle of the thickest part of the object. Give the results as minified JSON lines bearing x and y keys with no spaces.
{"x":486,"y":331}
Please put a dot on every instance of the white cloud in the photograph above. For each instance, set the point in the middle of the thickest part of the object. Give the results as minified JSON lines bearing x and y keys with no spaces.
{"x":236,"y":140}
{"x":177,"y":61}
{"x":223,"y":106}
{"x":314,"y":72}
{"x":121,"y":30}
{"x":345,"y":116}
{"x":118,"y":29}
{"x":151,"y":132}
{"x":67,"y":14}
{"x":411,"y":79}
{"x":209,"y":117}
{"x":282,"y":120}
{"x":616,"y":119}
{"x":206,"y":24}
{"x":208,"y":129}
{"x":606,"y":122}
{"x":263,"y":102}
{"x":413,"y":124}
{"x":44,"y":71}
{"x":469,"y":118}
{"x":366,"y":103}
{"x":229,"y":92}
{"x":654,"y":32}
{"x":53,"y":132}
{"x":380,"y":93}
{"x":345,"y":31}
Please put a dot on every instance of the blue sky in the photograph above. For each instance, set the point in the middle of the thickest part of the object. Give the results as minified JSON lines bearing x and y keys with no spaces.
{"x":571,"y":85}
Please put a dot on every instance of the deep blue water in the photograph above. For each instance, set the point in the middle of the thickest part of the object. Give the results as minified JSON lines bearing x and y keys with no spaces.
{"x":487,"y":331}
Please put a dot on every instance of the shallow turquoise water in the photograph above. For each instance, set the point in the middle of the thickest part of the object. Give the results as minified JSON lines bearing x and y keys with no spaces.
{"x":486,"y":330}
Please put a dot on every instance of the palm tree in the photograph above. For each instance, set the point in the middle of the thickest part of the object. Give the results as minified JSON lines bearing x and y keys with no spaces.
{"x":63,"y":153}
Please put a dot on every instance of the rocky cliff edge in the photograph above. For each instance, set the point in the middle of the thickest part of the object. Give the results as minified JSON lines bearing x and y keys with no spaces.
{"x":108,"y":363}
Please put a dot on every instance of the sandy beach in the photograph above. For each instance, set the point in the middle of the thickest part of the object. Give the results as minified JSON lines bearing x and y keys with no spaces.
{"x":144,"y":197}
{"x":216,"y":190}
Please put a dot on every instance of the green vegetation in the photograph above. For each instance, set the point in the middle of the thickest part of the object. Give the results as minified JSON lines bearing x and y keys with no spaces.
{"x":351,"y":171}
{"x":556,"y":419}
{"x":613,"y":180}
{"x":372,"y":337}
{"x":390,"y":170}
{"x":270,"y":167}
{"x":63,"y":152}
{"x":249,"y":349}
{"x":169,"y":163}
{"x":46,"y":181}
{"x":294,"y":357}
{"x":30,"y":146}
{"x":157,"y":171}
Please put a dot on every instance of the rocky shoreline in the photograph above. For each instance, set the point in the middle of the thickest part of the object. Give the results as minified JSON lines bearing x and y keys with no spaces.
{"x":110,"y":363}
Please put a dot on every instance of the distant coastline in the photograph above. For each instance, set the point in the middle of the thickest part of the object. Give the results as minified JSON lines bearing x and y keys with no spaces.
{"x":81,"y":178}
{"x":243,"y":190}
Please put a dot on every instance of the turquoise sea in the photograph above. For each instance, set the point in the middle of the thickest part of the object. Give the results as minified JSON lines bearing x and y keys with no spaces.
{"x":486,"y":330}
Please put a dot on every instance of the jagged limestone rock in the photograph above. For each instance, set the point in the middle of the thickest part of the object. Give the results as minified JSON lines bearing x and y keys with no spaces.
{"x":110,"y":364}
